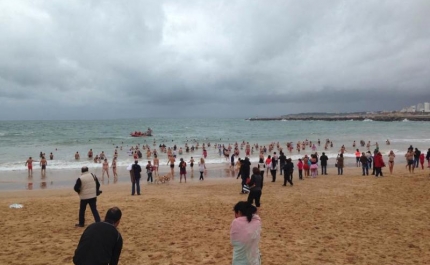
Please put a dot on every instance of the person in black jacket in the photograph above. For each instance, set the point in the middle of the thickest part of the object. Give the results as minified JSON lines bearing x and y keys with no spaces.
{"x":282,"y":160}
{"x":244,"y":172}
{"x":428,"y":157}
{"x":136,"y":172}
{"x":101,"y":243}
{"x":288,"y":172}
{"x":323,"y":159}
{"x":255,"y":187}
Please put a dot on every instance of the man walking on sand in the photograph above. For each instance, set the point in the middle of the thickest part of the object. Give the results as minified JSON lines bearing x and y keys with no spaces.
{"x":87,"y":186}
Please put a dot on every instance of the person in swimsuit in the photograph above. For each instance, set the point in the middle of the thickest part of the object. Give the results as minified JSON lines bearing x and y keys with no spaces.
{"x":391,"y":157}
{"x":182,"y":171}
{"x":191,"y":164}
{"x":172,"y":165}
{"x":51,"y":156}
{"x":29,"y":164}
{"x":90,"y":153}
{"x":43,"y":164}
{"x":105,"y":169}
{"x":77,"y":156}
{"x":156,"y":164}
{"x":115,"y":175}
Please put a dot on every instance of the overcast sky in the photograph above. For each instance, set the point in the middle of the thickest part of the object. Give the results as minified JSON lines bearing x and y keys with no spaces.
{"x":187,"y":58}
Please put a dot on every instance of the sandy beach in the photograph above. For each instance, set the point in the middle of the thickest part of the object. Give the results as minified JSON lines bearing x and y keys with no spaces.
{"x":332,"y":219}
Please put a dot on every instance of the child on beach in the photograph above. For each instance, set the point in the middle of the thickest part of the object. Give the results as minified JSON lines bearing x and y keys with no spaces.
{"x":300,"y":167}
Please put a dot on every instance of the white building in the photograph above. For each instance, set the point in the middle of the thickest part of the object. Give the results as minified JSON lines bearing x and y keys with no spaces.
{"x":420,"y":107}
{"x":427,"y":107}
{"x":412,"y":109}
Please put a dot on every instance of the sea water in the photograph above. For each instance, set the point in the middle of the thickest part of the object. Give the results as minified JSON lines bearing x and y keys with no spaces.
{"x":22,"y":139}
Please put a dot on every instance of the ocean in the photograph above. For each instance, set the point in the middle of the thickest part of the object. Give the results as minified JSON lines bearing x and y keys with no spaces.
{"x":22,"y":139}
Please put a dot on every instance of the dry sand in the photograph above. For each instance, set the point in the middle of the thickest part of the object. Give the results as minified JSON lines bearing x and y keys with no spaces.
{"x":332,"y":219}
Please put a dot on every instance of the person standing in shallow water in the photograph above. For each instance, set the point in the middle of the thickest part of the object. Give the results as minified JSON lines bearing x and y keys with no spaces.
{"x":43,"y":164}
{"x":182,"y":171}
{"x":29,"y":164}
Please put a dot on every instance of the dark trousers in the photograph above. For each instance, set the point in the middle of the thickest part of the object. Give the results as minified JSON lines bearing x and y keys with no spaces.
{"x":83,"y":206}
{"x":300,"y":173}
{"x":201,"y":175}
{"x":254,"y":195}
{"x":149,"y":177}
{"x":340,"y":170}
{"x":288,"y":177}
{"x":262,"y":178}
{"x":273,"y":172}
{"x":374,"y":170}
{"x":324,"y":170}
{"x":365,"y":169}
{"x":281,"y":165}
{"x":243,"y":184}
{"x":378,"y":171}
{"x":135,"y":186}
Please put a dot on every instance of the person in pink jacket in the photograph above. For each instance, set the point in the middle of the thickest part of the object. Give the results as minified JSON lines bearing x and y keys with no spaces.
{"x":245,"y":234}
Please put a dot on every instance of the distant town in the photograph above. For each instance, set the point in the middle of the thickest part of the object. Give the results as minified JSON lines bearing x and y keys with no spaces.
{"x":420,"y":107}
{"x":419,"y":112}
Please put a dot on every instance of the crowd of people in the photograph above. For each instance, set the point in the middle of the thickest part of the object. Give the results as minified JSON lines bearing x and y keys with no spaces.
{"x":246,"y":227}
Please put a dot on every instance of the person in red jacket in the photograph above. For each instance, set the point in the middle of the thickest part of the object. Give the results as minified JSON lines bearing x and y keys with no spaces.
{"x":379,"y":164}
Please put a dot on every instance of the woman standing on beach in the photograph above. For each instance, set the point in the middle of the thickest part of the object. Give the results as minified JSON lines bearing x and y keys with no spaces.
{"x":105,"y":169}
{"x":391,"y":157}
{"x":339,"y":161}
{"x":202,"y":167}
{"x":115,"y":175}
{"x":245,"y":234}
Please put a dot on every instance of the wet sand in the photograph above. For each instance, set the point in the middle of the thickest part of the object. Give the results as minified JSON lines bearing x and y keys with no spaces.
{"x":332,"y":219}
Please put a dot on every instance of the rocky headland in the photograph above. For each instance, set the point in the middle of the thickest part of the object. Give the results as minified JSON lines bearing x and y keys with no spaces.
{"x":381,"y":116}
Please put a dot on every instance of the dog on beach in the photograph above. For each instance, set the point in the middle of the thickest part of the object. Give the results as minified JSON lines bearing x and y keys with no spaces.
{"x":162,"y":179}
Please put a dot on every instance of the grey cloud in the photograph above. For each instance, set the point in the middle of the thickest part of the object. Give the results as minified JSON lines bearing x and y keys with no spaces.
{"x":211,"y":58}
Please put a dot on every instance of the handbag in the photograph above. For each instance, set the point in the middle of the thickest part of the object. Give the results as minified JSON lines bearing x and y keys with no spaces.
{"x":98,"y":191}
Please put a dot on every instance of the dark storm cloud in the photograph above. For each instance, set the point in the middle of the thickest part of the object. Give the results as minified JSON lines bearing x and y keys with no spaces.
{"x":210,"y":58}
